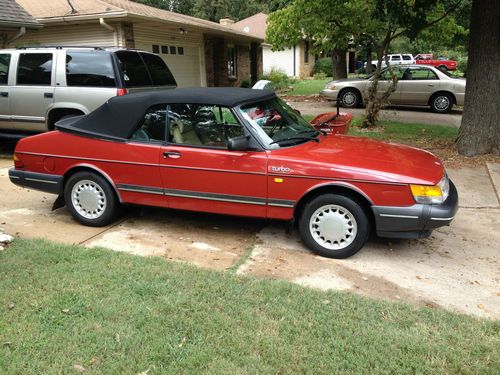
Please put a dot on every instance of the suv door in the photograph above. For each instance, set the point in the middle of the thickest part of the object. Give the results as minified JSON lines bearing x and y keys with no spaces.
{"x":33,"y":92}
{"x":5,"y":122}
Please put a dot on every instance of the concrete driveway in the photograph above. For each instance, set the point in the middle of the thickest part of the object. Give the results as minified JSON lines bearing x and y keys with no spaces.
{"x":457,"y":268}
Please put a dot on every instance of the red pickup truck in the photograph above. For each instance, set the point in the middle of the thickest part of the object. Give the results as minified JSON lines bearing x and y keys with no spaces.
{"x":428,"y":59}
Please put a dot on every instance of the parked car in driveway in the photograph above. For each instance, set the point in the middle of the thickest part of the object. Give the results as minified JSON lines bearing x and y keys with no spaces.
{"x":394,"y":59}
{"x":417,"y":85}
{"x":41,"y":85}
{"x":441,"y":63}
{"x":239,"y":152}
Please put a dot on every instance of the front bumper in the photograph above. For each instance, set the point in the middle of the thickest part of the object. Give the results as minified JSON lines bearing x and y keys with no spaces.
{"x":329,"y":94}
{"x":417,"y":221}
{"x":39,"y":181}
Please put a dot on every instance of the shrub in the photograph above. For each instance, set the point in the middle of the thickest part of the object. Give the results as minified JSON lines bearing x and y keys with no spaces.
{"x":279,"y":78}
{"x":324,"y":65}
{"x":246,"y":83}
{"x":320,"y":75}
{"x":462,"y":64}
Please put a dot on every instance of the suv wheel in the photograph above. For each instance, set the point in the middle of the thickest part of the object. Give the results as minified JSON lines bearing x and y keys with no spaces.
{"x":334,"y":226}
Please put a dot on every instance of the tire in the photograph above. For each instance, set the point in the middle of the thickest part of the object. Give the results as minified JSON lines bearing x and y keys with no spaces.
{"x":350,"y":98}
{"x":441,"y":102}
{"x":348,"y":226}
{"x":90,"y":199}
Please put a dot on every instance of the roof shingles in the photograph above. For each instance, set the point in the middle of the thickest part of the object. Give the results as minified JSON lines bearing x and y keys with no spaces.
{"x":12,"y":14}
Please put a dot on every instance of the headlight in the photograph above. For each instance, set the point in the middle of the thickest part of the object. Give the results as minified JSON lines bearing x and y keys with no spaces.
{"x":432,"y":194}
{"x":330,"y":86}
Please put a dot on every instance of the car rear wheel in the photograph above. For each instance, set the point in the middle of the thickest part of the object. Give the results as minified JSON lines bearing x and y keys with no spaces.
{"x":334,"y":226}
{"x":350,"y":98}
{"x":90,"y":199}
{"x":442,"y":103}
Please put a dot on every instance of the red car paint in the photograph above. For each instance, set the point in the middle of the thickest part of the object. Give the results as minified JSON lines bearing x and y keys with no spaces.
{"x":379,"y":171}
{"x":428,"y":59}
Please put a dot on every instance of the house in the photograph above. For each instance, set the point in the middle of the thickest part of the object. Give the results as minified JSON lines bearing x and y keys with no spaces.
{"x":199,"y":52}
{"x":14,"y":21}
{"x":295,"y":62}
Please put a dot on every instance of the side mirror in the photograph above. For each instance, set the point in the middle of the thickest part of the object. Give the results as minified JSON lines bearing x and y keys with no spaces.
{"x":241,"y":143}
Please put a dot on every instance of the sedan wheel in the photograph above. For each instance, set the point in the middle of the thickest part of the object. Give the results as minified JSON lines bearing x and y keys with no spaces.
{"x":442,"y":103}
{"x":350,"y":98}
{"x":334,"y":226}
{"x":90,"y":199}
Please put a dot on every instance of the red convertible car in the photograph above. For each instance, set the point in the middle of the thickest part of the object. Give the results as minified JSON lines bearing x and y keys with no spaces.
{"x":238,"y":152}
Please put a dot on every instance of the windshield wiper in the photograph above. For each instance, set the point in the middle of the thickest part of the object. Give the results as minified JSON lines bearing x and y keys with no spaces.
{"x":296,"y":139}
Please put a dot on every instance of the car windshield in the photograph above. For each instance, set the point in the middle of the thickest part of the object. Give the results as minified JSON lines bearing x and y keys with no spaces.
{"x":278,"y":124}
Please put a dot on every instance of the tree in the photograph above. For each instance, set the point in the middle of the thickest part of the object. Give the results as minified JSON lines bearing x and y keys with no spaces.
{"x":388,"y":20}
{"x":327,"y":25}
{"x":480,"y":129}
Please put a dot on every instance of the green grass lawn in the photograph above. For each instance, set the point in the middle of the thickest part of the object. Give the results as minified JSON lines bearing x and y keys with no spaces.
{"x":308,"y":86}
{"x":114,"y":313}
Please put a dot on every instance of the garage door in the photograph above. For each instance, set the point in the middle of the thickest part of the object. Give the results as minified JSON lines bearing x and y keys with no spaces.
{"x":183,"y":61}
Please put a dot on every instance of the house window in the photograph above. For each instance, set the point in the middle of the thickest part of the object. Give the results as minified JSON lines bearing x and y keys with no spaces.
{"x":180,"y":50}
{"x":306,"y":52}
{"x":156,"y":48}
{"x":164,"y":50}
{"x":173,"y":50}
{"x":231,"y":61}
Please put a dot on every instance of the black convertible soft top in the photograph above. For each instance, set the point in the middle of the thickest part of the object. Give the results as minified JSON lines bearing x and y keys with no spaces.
{"x":119,"y":116}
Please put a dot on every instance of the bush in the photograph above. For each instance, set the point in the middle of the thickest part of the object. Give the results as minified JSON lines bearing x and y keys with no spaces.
{"x":320,"y":75}
{"x":246,"y":83}
{"x":324,"y":65}
{"x":279,"y":79}
{"x":462,"y":64}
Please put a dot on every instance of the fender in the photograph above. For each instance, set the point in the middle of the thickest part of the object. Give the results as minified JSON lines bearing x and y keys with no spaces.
{"x":337,"y":183}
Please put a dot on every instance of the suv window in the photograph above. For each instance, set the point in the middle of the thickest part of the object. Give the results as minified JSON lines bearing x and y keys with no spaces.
{"x":4,"y":68}
{"x":92,"y":69}
{"x":407,"y":57}
{"x":135,"y":73}
{"x":395,"y":57}
{"x":160,"y":74}
{"x":34,"y":69}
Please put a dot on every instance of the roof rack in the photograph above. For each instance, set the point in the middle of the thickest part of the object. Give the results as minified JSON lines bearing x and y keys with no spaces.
{"x":61,"y":47}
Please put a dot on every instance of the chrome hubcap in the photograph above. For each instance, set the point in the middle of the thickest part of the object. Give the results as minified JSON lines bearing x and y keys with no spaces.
{"x":442,"y":102}
{"x":88,"y":199}
{"x":333,"y":227}
{"x":349,"y":98}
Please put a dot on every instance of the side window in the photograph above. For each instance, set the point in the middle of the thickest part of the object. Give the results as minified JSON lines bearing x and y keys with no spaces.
{"x":395,"y":58}
{"x":92,"y":69}
{"x":153,"y":125}
{"x":386,"y":75}
{"x":4,"y":68}
{"x":135,"y":73}
{"x":406,"y":57}
{"x":422,"y":74}
{"x":231,"y":61}
{"x":34,"y":69}
{"x":158,"y":70}
{"x":202,"y":125}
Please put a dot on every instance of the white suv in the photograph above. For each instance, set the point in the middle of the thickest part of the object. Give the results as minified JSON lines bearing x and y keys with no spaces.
{"x":395,"y":59}
{"x":41,"y":85}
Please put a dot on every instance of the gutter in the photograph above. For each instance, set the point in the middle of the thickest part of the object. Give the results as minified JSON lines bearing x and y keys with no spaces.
{"x":21,"y":32}
{"x":110,"y":28}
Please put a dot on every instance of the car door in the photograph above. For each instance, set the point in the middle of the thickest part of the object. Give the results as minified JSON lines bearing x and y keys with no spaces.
{"x":386,"y":81}
{"x":5,"y":123}
{"x":418,"y":84}
{"x":33,"y":92}
{"x":200,"y":173}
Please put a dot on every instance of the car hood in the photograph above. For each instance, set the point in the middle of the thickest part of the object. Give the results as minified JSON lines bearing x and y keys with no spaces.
{"x":358,"y":158}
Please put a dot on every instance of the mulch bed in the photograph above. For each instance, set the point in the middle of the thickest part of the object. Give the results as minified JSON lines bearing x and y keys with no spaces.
{"x":303,"y":98}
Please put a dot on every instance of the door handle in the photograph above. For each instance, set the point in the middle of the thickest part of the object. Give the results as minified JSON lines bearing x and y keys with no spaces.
{"x":430,"y":84}
{"x":5,"y":94}
{"x":48,"y":95}
{"x":171,"y":155}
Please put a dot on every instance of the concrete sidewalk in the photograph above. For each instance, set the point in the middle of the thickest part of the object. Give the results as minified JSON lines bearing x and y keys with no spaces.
{"x":458,"y":267}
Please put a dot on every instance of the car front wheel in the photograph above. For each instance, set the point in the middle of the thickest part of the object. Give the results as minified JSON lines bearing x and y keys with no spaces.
{"x":350,"y":98}
{"x":334,"y":226}
{"x":90,"y":199}
{"x":442,"y":103}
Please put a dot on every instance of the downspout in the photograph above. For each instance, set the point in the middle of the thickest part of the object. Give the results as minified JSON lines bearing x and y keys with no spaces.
{"x":110,"y":28}
{"x":294,"y":63}
{"x":21,"y":32}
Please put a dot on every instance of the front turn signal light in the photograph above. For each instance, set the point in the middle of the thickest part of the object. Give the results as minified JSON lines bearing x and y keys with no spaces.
{"x":427,"y":194}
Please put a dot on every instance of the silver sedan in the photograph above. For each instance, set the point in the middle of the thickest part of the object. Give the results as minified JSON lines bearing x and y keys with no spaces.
{"x":417,"y":85}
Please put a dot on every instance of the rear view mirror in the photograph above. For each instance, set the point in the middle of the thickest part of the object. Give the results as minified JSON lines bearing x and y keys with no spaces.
{"x":238,"y":143}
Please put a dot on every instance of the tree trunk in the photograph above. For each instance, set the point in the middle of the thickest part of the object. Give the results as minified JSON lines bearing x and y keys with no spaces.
{"x":339,"y":63}
{"x":480,"y":129}
{"x":369,"y":59}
